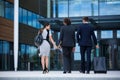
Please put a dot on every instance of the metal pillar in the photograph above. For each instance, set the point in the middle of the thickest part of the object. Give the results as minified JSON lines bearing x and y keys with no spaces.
{"x":16,"y":33}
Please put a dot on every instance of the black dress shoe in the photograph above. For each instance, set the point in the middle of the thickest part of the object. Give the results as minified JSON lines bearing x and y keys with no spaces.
{"x":64,"y":72}
{"x":82,"y":72}
{"x":69,"y":71}
{"x":47,"y":70}
{"x":44,"y":71}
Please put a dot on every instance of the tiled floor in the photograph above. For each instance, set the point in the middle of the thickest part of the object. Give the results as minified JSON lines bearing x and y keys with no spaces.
{"x":57,"y":75}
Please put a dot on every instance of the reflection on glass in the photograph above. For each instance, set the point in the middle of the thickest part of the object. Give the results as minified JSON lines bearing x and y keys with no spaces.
{"x":106,"y":34}
{"x":24,"y":16}
{"x":77,"y":55}
{"x":7,"y":10}
{"x":20,"y":15}
{"x":23,"y":49}
{"x":63,"y":8}
{"x":30,"y":18}
{"x":2,"y":8}
{"x":1,"y":47}
{"x":118,"y":34}
{"x":34,"y":19}
{"x":5,"y":47}
{"x":106,"y":5}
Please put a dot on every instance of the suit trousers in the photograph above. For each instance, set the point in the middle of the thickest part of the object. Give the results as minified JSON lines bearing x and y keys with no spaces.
{"x":67,"y":58}
{"x":87,"y":65}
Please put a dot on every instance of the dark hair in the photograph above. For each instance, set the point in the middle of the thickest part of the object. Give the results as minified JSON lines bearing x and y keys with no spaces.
{"x":41,"y":29}
{"x":85,"y":18}
{"x":46,"y":24}
{"x":67,"y":21}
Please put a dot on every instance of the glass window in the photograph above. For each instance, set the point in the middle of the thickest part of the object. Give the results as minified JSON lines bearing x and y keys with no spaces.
{"x":20,"y":15}
{"x":107,"y":34}
{"x":12,"y":12}
{"x":79,"y":8}
{"x":38,"y":24}
{"x":77,"y":55}
{"x":30,"y":18}
{"x":2,"y":8}
{"x":1,"y":47}
{"x":109,"y":7}
{"x":5,"y":47}
{"x":34,"y":20}
{"x":94,"y":7}
{"x":118,"y":34}
{"x":63,"y":8}
{"x":27,"y":49}
{"x":24,"y":16}
{"x":7,"y":10}
{"x":23,"y":51}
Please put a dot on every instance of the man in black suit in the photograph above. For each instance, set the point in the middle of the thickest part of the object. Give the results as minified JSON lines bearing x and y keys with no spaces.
{"x":67,"y":39}
{"x":85,"y":35}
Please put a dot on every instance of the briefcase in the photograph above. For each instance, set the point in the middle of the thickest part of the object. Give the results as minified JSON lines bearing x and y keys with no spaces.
{"x":100,"y":65}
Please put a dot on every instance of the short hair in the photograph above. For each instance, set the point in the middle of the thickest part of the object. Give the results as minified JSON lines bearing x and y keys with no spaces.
{"x":46,"y":24}
{"x":85,"y":18}
{"x":67,"y":21}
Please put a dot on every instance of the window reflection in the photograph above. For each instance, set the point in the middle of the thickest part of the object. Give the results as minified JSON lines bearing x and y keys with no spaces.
{"x":5,"y":47}
{"x":20,"y":15}
{"x":1,"y":47}
{"x":118,"y":34}
{"x":2,"y":8}
{"x":106,"y":34}
{"x":24,"y":16}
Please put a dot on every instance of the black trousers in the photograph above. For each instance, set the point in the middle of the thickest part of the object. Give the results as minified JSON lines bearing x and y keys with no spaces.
{"x":67,"y":58}
{"x":87,"y":65}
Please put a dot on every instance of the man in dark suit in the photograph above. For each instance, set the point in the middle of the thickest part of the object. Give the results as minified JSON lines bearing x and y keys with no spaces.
{"x":85,"y":35}
{"x":67,"y":38}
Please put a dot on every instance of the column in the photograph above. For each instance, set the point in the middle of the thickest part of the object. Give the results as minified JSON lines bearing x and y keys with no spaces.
{"x":48,"y":16}
{"x":16,"y":33}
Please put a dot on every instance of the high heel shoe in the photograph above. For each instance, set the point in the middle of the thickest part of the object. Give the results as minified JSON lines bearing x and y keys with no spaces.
{"x":44,"y":71}
{"x":47,"y":70}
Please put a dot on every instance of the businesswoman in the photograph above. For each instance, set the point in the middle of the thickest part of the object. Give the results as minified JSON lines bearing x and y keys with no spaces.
{"x":45,"y":47}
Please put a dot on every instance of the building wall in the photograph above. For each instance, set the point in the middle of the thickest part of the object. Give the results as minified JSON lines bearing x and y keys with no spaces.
{"x":6,"y":29}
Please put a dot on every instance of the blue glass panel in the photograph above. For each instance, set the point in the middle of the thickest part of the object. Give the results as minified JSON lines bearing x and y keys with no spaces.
{"x":63,"y":8}
{"x":12,"y":12}
{"x":1,"y":47}
{"x":79,"y":8}
{"x":23,"y":51}
{"x":77,"y":55}
{"x":118,"y":34}
{"x":34,"y":20}
{"x":30,"y":18}
{"x":20,"y":15}
{"x":106,"y":34}
{"x":38,"y":24}
{"x":110,"y":7}
{"x":7,"y":10}
{"x":2,"y":8}
{"x":27,"y":49}
{"x":24,"y":16}
{"x":6,"y":47}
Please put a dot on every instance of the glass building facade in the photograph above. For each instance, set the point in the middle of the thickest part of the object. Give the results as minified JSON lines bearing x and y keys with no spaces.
{"x":28,"y":59}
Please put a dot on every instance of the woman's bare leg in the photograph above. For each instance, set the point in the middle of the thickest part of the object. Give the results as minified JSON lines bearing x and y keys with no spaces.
{"x":43,"y":62}
{"x":46,"y":61}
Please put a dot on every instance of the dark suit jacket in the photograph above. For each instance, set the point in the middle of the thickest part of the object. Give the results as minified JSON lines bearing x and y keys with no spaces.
{"x":67,"y":36}
{"x":85,"y":35}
